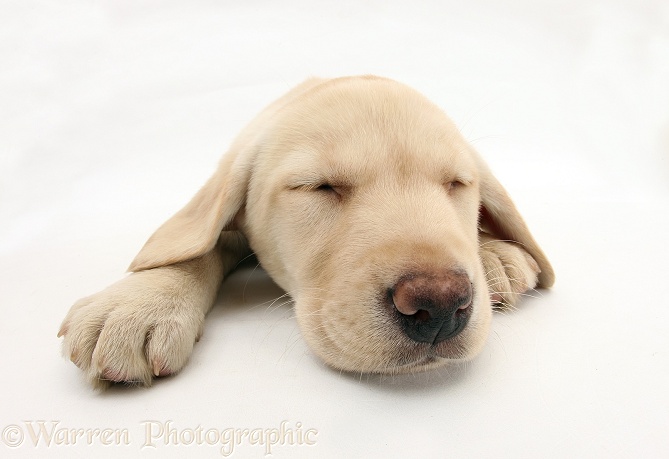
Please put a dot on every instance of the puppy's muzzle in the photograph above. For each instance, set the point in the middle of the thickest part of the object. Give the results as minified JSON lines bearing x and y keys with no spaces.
{"x":432,"y":307}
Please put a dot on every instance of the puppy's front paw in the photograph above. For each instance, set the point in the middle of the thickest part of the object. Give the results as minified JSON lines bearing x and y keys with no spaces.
{"x":510,"y":270}
{"x":132,"y":331}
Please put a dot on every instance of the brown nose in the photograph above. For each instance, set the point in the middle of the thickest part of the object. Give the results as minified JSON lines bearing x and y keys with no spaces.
{"x":433,"y":307}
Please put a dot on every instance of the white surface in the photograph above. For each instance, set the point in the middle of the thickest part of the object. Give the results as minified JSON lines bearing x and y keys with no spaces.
{"x":113,"y":113}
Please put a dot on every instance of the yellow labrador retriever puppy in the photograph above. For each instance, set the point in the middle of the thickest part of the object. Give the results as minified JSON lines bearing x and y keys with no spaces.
{"x":362,"y":200}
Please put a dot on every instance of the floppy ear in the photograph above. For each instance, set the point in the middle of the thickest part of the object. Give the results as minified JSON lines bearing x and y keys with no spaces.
{"x":499,"y":216}
{"x":195,"y":229}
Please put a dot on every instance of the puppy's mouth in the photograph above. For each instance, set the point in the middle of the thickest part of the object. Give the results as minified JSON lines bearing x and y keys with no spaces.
{"x":424,"y":356}
{"x":400,"y":333}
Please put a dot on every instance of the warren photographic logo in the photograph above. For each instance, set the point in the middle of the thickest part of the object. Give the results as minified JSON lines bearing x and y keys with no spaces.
{"x":154,"y":434}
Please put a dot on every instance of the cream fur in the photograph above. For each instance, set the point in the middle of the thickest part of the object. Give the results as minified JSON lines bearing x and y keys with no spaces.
{"x":405,"y":192}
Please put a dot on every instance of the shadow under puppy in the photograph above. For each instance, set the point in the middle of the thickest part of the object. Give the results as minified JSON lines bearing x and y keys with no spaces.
{"x":361,"y":199}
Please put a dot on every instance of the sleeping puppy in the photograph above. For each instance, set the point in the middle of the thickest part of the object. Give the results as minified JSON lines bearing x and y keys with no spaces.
{"x":361,"y":199}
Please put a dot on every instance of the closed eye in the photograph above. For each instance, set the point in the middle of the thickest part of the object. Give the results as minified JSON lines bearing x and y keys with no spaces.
{"x":454,"y":185}
{"x":324,"y":188}
{"x":331,"y":190}
{"x":459,"y":182}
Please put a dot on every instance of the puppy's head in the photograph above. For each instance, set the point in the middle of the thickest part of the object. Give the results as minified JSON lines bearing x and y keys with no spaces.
{"x":361,"y":199}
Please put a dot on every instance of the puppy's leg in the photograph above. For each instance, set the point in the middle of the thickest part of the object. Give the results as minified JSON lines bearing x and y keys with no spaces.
{"x":145,"y":325}
{"x":510,"y":269}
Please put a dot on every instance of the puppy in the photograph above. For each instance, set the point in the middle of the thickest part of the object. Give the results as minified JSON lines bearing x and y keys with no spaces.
{"x":361,"y":199}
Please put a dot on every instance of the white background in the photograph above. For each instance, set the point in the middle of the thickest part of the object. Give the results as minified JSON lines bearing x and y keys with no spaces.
{"x":113,"y":113}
